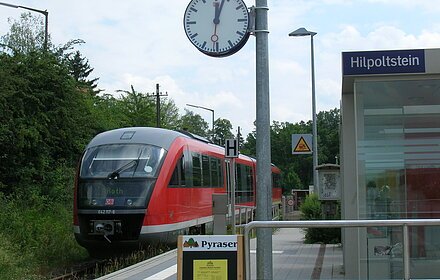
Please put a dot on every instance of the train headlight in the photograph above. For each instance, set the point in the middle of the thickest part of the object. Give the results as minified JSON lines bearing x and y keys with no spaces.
{"x":129,"y":202}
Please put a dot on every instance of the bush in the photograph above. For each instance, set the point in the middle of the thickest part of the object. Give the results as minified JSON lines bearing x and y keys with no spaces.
{"x":311,"y":209}
{"x":37,"y":223}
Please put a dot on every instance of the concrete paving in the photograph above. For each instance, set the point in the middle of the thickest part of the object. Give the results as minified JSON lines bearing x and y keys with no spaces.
{"x":292,"y":259}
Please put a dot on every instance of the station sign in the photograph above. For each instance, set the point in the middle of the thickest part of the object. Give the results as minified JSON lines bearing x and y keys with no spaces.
{"x":302,"y":144}
{"x":201,"y":257}
{"x":231,"y":148}
{"x":383,"y":62}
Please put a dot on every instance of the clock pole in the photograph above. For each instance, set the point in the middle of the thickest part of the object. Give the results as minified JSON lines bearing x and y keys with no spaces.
{"x":264,"y":178}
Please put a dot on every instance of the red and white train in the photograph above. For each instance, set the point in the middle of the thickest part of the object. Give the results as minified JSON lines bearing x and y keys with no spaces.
{"x":141,"y":185}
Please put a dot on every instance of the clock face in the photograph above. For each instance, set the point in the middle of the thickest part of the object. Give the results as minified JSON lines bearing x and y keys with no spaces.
{"x":217,"y":27}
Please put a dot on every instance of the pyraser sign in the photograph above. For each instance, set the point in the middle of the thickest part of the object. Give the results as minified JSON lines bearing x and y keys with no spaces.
{"x":383,"y":62}
{"x":210,"y":243}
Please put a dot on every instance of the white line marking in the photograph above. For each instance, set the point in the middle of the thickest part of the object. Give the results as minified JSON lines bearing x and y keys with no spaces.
{"x":273,"y":252}
{"x":164,"y":273}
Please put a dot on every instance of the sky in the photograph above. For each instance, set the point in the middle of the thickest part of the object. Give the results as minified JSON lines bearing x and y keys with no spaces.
{"x":142,"y":43}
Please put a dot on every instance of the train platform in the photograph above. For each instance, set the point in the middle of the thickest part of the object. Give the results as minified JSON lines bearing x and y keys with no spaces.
{"x":292,"y":259}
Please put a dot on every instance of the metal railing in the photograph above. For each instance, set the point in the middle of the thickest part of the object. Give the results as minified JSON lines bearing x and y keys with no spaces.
{"x":404,"y":223}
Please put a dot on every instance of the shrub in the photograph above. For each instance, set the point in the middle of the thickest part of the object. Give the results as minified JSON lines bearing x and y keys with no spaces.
{"x":311,"y":209}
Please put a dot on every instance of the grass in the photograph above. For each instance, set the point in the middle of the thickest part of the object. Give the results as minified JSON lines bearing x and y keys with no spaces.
{"x":35,"y":237}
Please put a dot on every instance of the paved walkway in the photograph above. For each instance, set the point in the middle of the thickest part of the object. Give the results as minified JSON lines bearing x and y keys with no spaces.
{"x":292,"y":259}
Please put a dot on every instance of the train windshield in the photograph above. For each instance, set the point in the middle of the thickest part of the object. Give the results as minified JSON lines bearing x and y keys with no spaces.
{"x":122,"y":161}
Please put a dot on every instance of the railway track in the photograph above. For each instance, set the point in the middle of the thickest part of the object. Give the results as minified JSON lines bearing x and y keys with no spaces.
{"x":94,"y":268}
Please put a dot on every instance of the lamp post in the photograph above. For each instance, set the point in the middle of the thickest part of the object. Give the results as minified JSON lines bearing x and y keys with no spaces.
{"x":300,"y":32}
{"x":45,"y":13}
{"x":201,"y":107}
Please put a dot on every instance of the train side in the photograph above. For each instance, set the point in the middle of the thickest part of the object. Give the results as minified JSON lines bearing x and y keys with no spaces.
{"x":143,"y":185}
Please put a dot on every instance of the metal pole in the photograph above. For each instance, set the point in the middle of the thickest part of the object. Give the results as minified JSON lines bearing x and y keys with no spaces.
{"x":406,"y":252}
{"x":157,"y":106}
{"x":213,"y":126}
{"x":315,"y":129}
{"x":264,"y":181}
{"x":232,"y":175}
{"x":46,"y":31}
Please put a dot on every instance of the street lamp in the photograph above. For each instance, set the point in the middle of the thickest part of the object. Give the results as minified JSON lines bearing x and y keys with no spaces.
{"x":200,"y":107}
{"x":45,"y":13}
{"x":300,"y":32}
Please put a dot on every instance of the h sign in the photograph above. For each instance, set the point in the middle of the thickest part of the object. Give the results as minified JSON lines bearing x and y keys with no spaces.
{"x":231,"y":148}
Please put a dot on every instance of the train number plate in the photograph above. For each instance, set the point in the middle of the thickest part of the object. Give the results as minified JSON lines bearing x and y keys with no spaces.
{"x":106,"y":212}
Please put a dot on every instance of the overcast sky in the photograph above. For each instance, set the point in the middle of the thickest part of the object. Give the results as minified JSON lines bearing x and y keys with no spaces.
{"x":142,"y":42}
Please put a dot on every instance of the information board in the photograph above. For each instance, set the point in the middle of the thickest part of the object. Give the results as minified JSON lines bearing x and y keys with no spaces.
{"x":206,"y":257}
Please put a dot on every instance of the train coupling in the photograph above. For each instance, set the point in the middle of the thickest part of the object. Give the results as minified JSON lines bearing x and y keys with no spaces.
{"x":105,"y":227}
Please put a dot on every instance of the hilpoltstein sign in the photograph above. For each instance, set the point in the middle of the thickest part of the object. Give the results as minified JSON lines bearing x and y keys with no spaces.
{"x":383,"y":62}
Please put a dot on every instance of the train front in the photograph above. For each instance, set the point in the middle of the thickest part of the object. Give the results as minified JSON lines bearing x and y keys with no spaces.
{"x":113,"y":187}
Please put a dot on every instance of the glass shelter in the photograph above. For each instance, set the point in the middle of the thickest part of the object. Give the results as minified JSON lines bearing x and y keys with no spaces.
{"x":390,"y":165}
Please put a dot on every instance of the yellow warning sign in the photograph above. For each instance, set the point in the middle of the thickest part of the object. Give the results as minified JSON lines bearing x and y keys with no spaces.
{"x":301,"y":144}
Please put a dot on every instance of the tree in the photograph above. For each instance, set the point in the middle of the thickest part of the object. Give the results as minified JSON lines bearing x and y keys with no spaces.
{"x":169,"y":114}
{"x":25,"y":35}
{"x":222,"y":131}
{"x":80,"y":69}
{"x":44,"y":118}
{"x":328,"y":133}
{"x":138,"y":107}
{"x":300,"y":166}
{"x":194,"y":123}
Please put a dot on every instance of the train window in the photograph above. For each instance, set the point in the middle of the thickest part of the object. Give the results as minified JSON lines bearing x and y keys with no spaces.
{"x":244,"y":184}
{"x":206,"y":172}
{"x":197,"y":170}
{"x":276,"y":180}
{"x":215,"y":173}
{"x":122,"y":160}
{"x":178,"y":176}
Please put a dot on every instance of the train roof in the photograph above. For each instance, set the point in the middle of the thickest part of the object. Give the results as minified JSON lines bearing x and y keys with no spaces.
{"x":148,"y":135}
{"x":138,"y":135}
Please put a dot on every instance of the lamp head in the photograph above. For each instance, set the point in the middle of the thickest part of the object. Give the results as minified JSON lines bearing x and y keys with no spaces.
{"x":302,"y":32}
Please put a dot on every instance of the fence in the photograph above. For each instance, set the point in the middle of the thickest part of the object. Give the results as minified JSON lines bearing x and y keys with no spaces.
{"x":404,"y":223}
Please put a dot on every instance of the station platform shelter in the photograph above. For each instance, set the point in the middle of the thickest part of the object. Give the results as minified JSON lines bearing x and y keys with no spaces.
{"x":390,"y":160}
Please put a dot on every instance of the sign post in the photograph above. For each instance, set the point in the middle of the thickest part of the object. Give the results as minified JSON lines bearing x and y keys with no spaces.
{"x":232,"y":152}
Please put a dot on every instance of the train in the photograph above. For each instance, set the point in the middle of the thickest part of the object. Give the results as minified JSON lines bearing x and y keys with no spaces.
{"x":142,"y":185}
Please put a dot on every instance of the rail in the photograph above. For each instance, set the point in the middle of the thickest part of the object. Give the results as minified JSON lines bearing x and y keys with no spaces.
{"x":404,"y":223}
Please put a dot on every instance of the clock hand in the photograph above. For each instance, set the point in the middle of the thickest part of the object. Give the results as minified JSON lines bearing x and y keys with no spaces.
{"x":218,"y":10}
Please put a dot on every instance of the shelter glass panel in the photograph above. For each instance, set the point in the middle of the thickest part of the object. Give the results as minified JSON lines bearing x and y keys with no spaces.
{"x":398,"y":152}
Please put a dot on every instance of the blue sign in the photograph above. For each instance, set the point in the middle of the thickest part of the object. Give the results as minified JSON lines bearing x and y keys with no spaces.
{"x":383,"y":62}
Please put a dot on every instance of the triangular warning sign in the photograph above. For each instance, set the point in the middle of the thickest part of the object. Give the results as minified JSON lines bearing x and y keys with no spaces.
{"x":301,"y":146}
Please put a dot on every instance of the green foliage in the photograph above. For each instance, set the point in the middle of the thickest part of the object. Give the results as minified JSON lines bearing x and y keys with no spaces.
{"x":194,"y":123}
{"x":138,"y":107}
{"x":222,"y":131}
{"x":80,"y":69}
{"x":44,"y":118}
{"x":26,"y":34}
{"x":299,"y":166}
{"x":39,"y":228}
{"x":311,"y":209}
